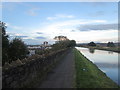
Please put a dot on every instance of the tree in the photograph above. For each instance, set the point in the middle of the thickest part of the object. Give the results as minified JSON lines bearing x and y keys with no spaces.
{"x":11,"y":50}
{"x":91,"y":44}
{"x":61,"y":38}
{"x":63,"y":42}
{"x":5,"y":43}
{"x":72,"y":43}
{"x":110,"y":44}
{"x":17,"y":49}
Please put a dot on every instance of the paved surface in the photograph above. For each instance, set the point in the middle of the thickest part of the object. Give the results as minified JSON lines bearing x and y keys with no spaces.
{"x":62,"y":76}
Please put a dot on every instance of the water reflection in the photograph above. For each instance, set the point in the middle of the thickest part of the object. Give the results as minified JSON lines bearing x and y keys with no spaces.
{"x":92,"y":50}
{"x":106,"y":65}
{"x":106,"y":61}
{"x":110,"y":52}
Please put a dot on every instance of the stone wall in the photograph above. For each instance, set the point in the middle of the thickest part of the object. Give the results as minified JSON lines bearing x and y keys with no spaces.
{"x":25,"y":74}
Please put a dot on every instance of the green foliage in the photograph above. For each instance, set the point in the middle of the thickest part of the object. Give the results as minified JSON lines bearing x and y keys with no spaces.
{"x":72,"y":43}
{"x":64,"y":44}
{"x":5,"y":43}
{"x":88,"y":75}
{"x":61,"y":38}
{"x":110,"y":44}
{"x":14,"y":50}
{"x":17,"y":49}
{"x":91,"y":44}
{"x":41,"y":52}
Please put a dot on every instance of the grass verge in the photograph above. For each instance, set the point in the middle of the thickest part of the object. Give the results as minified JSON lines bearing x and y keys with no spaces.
{"x":88,"y":75}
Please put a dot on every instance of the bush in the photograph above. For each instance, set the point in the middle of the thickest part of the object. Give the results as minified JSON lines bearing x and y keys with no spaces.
{"x":64,"y":44}
{"x":17,"y":49}
{"x":91,"y":44}
{"x":110,"y":44}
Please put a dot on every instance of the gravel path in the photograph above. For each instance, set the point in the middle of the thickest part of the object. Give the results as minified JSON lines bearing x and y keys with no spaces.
{"x":63,"y":75}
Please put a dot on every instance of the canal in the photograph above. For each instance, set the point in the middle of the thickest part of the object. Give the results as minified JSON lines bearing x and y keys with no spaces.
{"x":106,"y":61}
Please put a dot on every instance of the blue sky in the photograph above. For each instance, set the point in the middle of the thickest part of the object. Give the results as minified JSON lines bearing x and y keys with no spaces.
{"x":36,"y":22}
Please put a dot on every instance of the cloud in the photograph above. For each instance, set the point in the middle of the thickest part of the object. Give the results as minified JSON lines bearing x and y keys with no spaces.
{"x":39,"y":32}
{"x":0,"y":5}
{"x":68,"y":28}
{"x":108,"y":39}
{"x":13,"y":26}
{"x":18,"y":35}
{"x":50,"y":30}
{"x":40,"y":37}
{"x":96,"y":36}
{"x":9,"y":6}
{"x":16,"y":27}
{"x":97,"y":14}
{"x":59,"y":16}
{"x":99,"y":4}
{"x":13,"y":35}
{"x":22,"y":36}
{"x":98,"y":27}
{"x":32,"y":41}
{"x":73,"y":30}
{"x":33,"y":11}
{"x":64,"y":16}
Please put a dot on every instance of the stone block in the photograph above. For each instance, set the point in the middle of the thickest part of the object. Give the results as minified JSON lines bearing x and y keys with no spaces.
{"x":9,"y":80}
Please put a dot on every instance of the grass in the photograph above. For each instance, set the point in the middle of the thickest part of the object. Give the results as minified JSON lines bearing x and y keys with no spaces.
{"x":88,"y":75}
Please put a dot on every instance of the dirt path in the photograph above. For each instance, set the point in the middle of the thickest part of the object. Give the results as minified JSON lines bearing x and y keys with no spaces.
{"x":63,"y":75}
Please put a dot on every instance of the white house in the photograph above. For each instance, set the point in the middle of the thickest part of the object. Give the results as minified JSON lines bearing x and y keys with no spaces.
{"x":32,"y":52}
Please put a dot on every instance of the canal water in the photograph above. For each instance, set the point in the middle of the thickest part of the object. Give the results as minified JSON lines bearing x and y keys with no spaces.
{"x":106,"y":61}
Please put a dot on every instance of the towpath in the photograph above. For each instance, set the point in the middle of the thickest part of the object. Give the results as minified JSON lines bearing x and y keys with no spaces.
{"x":63,"y":75}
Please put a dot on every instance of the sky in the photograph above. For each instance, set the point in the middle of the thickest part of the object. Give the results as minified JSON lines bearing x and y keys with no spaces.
{"x":36,"y":22}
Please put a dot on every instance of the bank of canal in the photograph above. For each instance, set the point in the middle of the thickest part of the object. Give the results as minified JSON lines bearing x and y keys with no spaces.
{"x":88,"y":75}
{"x":107,"y":61}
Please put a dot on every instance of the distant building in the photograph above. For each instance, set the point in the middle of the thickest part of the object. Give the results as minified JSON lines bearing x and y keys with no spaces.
{"x":34,"y":47}
{"x":45,"y":43}
{"x":32,"y":52}
{"x":43,"y":46}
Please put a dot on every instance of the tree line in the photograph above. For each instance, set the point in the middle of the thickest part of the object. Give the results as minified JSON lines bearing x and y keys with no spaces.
{"x":109,"y":44}
{"x":12,"y":50}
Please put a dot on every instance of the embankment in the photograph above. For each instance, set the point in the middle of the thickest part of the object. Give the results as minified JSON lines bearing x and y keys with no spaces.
{"x":30,"y":73}
{"x":88,"y":75}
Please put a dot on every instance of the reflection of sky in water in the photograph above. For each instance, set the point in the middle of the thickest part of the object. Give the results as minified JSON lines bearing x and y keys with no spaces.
{"x":107,"y":61}
{"x":100,"y":56}
{"x":112,"y":73}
